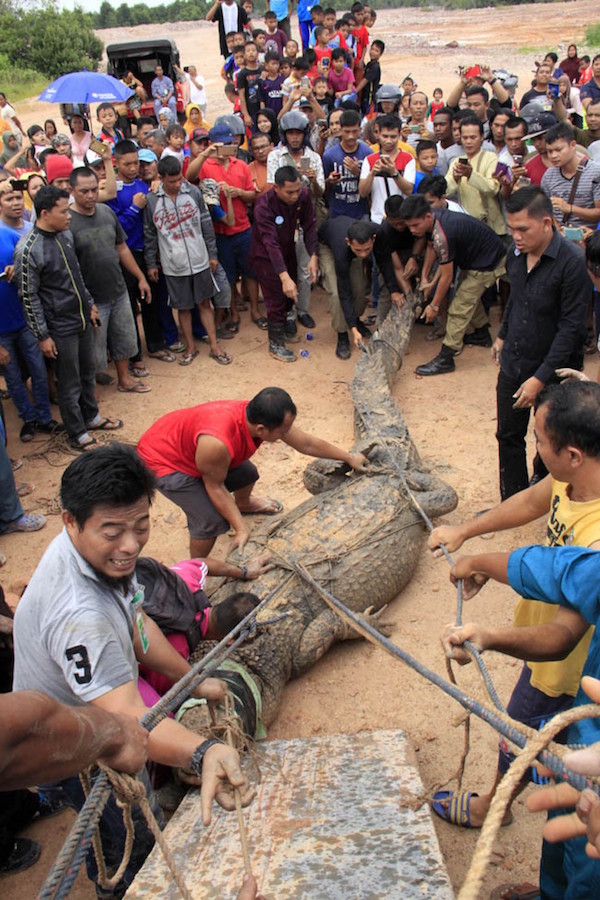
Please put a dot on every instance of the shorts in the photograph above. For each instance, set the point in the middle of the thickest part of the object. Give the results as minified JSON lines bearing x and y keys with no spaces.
{"x":222,"y":299}
{"x":534,"y":708}
{"x":186,"y":291}
{"x":116,"y":331}
{"x":203,"y":520}
{"x":232,"y":250}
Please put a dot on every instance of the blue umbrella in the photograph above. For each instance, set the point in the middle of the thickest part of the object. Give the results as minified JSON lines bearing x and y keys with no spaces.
{"x":86,"y":87}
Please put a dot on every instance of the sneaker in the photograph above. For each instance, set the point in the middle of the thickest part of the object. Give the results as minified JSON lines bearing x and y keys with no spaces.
{"x":306,"y":320}
{"x":342,"y":351}
{"x":24,"y":854}
{"x":51,"y":427}
{"x":48,"y":807}
{"x":481,"y":337}
{"x":27,"y":432}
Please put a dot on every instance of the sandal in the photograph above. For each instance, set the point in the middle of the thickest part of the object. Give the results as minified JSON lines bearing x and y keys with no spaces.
{"x":24,"y":488}
{"x":221,"y":357}
{"x":232,"y":326}
{"x":83,"y":443}
{"x":138,"y":388}
{"x":138,"y":371}
{"x":26,"y":522}
{"x":223,"y":334}
{"x":188,"y":358}
{"x":163,"y":355}
{"x":178,"y":347}
{"x":261,"y":323}
{"x":104,"y":424}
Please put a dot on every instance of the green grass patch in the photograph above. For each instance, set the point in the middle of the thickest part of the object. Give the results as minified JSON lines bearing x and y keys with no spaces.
{"x":530,"y":48}
{"x":19,"y":84}
{"x":592,"y":34}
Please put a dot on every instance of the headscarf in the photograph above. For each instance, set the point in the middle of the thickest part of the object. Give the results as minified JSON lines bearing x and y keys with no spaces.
{"x":171,"y":117}
{"x":9,"y":152}
{"x":274,"y":132}
{"x":188,"y":125}
{"x":570,"y":66}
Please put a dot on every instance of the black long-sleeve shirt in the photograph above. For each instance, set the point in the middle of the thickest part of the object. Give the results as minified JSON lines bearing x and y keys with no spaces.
{"x":544,"y":323}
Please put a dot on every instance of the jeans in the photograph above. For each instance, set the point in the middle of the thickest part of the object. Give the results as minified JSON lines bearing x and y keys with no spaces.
{"x":511,"y":433}
{"x":22,"y":343}
{"x":112,"y":831}
{"x":76,"y":380}
{"x":159,"y":104}
{"x":10,"y":505}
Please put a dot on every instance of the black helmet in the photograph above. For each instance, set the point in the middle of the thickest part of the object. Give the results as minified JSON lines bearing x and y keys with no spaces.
{"x":234,"y":123}
{"x":294,"y":120}
{"x":388,"y":92}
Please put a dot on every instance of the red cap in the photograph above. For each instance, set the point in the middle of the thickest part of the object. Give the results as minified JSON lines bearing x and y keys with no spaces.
{"x":58,"y":166}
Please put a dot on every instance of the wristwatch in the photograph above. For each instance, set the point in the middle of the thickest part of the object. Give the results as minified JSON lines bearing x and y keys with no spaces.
{"x":197,"y":758}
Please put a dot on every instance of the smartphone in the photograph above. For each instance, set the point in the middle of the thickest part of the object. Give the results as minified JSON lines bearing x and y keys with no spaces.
{"x":19,"y":184}
{"x":325,"y":62}
{"x":573,"y":234}
{"x":304,"y":163}
{"x":554,"y":89}
{"x":518,"y":159}
{"x":305,"y":82}
{"x":97,"y":146}
{"x":414,"y":128}
{"x":473,"y":72}
{"x":3,"y":276}
{"x":501,"y":169}
{"x":463,"y":160}
{"x":227,"y":150}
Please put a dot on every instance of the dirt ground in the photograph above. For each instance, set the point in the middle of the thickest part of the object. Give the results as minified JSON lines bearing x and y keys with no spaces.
{"x":452,"y":420}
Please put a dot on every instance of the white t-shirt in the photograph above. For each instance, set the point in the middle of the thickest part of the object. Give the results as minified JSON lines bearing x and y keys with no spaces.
{"x":230,"y":17}
{"x":197,"y":95}
{"x":8,"y":113}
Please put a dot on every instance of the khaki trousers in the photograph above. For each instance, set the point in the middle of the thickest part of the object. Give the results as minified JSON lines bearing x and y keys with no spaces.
{"x":358,"y":283}
{"x":466,"y":308}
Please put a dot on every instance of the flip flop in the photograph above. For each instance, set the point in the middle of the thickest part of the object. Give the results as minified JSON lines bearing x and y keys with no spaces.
{"x":522,"y":890}
{"x":222,"y":358}
{"x":163,"y":355}
{"x":139,"y":388}
{"x":261,"y":323}
{"x":223,"y":334}
{"x":83,"y":446}
{"x":24,"y":488}
{"x":270,"y":508}
{"x":178,"y":347}
{"x":455,"y":808}
{"x":27,"y":522}
{"x":139,"y":371}
{"x":188,"y":358}
{"x":105,"y":425}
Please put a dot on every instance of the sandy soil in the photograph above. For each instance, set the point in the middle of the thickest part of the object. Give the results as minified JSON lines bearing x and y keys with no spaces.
{"x":355,"y":688}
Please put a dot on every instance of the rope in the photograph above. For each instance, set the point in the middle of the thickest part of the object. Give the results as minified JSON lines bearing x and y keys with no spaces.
{"x":500,"y":721}
{"x":66,"y":866}
{"x":230,"y":714}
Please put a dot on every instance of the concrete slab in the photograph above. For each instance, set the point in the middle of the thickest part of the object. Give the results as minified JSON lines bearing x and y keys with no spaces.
{"x":333,"y":819}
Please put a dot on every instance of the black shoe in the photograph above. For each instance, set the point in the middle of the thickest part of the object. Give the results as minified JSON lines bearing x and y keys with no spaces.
{"x":48,"y":808}
{"x":27,"y":432}
{"x":481,"y":337}
{"x":306,"y":320}
{"x":442,"y":363}
{"x":23,"y":855}
{"x":291,"y":335}
{"x":343,"y":345}
{"x":277,"y":347}
{"x":51,"y":427}
{"x":104,"y":378}
{"x":363,"y":330}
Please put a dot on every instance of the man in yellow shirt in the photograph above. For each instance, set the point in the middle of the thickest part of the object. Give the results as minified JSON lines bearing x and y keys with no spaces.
{"x":567,"y":431}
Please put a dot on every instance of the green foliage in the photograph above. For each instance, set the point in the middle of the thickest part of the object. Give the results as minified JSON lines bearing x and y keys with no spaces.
{"x":48,"y":40}
{"x":20,"y":83}
{"x":592,"y":35}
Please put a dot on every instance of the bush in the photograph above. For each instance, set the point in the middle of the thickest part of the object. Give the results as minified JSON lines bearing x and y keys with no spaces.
{"x":49,"y":41}
{"x":20,"y":83}
{"x":592,"y":35}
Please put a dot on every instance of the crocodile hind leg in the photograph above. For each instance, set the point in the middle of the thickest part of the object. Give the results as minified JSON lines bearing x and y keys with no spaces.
{"x":324,"y":631}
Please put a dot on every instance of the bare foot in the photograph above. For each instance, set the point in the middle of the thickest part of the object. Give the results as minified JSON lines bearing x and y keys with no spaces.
{"x":263,"y":505}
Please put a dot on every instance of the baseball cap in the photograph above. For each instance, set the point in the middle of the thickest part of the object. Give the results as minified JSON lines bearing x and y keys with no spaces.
{"x":58,"y":166}
{"x":540,"y":124}
{"x":199,"y":134}
{"x":146,"y":155}
{"x":220,"y":134}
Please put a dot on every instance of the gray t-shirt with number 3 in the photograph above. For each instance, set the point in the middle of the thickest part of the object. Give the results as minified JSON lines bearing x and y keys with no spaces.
{"x":73,"y":634}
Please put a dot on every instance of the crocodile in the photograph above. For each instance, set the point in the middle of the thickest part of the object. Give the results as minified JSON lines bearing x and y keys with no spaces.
{"x":359,"y":536}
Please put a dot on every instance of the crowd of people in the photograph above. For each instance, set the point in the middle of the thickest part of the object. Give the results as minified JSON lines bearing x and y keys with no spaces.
{"x":155,"y":235}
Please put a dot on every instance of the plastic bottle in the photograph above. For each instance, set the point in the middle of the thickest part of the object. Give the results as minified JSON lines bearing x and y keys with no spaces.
{"x":304,"y":354}
{"x":309,"y":336}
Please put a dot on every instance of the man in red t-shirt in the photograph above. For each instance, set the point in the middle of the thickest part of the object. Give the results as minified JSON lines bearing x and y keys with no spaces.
{"x":201,"y":457}
{"x":233,"y":241}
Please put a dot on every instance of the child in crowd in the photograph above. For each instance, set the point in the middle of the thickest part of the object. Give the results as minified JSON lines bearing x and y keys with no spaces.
{"x":425,"y":164}
{"x":270,"y":85}
{"x":175,"y":141}
{"x":344,"y":28}
{"x":362,"y":40}
{"x":38,"y":139}
{"x":235,"y":62}
{"x":322,"y":49}
{"x":291,"y":49}
{"x":107,"y":117}
{"x":276,"y":38}
{"x":336,"y":37}
{"x":313,"y":69}
{"x":341,"y":79}
{"x":322,"y":96}
{"x":299,"y":71}
{"x":437,"y":102}
{"x":233,"y":97}
{"x":259,"y":36}
{"x":369,"y":84}
{"x":285,"y":67}
{"x":317,"y":15}
{"x":266,"y":123}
